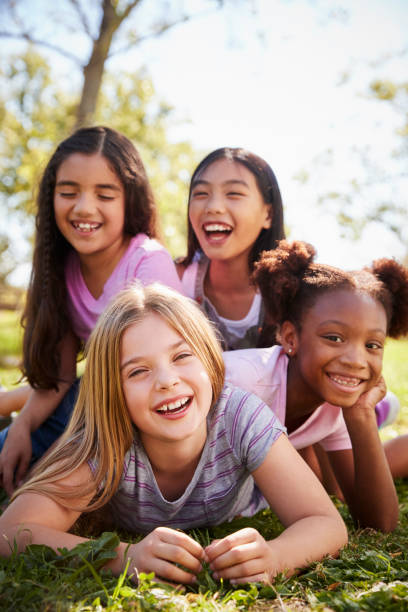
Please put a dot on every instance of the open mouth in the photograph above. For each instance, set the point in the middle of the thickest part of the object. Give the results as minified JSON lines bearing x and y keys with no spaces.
{"x":85,"y":228}
{"x":350,"y":382}
{"x":175,"y":407}
{"x":217,"y":231}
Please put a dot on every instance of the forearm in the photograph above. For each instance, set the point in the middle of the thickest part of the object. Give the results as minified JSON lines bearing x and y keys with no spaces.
{"x":309,"y":539}
{"x":40,"y":405}
{"x":373,"y":499}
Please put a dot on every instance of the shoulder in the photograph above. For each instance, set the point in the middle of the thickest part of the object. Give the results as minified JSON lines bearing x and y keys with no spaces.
{"x":252,"y":366}
{"x":142,"y":243}
{"x":240,"y":408}
{"x":188,"y":277}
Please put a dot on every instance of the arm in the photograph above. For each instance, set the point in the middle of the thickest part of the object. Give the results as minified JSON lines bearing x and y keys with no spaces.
{"x":313,"y":525}
{"x":396,"y":451}
{"x":41,"y":403}
{"x":363,"y":472}
{"x":36,"y":519}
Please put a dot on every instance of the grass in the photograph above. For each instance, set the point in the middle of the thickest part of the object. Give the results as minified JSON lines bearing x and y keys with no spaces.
{"x":371,"y":573}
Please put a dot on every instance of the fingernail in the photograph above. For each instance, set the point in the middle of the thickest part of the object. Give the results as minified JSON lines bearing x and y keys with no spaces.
{"x":215,"y":575}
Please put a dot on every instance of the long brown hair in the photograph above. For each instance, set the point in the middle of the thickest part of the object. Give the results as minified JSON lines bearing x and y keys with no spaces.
{"x":45,"y":317}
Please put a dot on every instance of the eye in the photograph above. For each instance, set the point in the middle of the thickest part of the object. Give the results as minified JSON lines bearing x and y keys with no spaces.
{"x":183,"y":355}
{"x":103,"y":197}
{"x":334,"y":338}
{"x":67,"y":194}
{"x":374,"y":345}
{"x":199,"y":194}
{"x":136,"y":372}
{"x":234,"y":194}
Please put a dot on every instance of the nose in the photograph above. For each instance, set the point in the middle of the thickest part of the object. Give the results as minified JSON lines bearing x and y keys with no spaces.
{"x":215,"y":203}
{"x":84,"y":204}
{"x":166,"y":377}
{"x":355,"y":355}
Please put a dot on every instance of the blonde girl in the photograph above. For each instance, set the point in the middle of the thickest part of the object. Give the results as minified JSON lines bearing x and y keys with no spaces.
{"x":160,"y":442}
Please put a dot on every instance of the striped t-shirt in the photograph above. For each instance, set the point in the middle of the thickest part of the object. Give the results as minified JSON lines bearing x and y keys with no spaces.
{"x":241,"y":429}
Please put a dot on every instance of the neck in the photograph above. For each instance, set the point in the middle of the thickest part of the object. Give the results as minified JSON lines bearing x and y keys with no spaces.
{"x":96,"y":268}
{"x":301,"y":401}
{"x":174,"y":457}
{"x":229,"y":275}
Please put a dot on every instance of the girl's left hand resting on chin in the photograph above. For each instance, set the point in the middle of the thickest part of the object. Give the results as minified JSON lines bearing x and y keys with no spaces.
{"x":242,"y":556}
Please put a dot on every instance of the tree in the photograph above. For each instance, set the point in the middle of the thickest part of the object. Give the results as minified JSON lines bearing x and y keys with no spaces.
{"x":35,"y":114}
{"x":366,"y":194}
{"x":100,"y":22}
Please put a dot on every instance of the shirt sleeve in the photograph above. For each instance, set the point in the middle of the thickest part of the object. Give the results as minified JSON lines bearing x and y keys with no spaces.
{"x":253,"y":428}
{"x":338,"y":438}
{"x":158,"y":266}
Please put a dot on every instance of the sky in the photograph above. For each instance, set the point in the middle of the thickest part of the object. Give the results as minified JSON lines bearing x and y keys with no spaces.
{"x":289,"y":80}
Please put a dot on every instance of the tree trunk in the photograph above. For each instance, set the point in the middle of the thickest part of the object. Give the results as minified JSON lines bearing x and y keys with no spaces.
{"x":93,"y":71}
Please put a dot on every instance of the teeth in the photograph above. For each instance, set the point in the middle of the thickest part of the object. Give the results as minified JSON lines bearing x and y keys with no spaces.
{"x":347,"y":382}
{"x":217,"y":227}
{"x":174,"y":405}
{"x":87,"y":227}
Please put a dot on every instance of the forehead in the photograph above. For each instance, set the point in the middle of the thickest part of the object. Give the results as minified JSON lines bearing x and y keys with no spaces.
{"x":349,"y":306}
{"x":80,"y":167}
{"x":223,"y":170}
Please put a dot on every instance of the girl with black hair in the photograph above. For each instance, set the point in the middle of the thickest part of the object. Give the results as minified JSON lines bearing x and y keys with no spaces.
{"x":324,"y":380}
{"x":235,"y":213}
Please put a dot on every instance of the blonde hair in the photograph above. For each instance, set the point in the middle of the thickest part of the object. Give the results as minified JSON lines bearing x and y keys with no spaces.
{"x":100,"y":430}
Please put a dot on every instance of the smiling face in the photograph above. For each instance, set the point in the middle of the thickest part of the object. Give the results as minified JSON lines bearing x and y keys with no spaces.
{"x":167,"y":389}
{"x":227,"y":211}
{"x":338,"y":353}
{"x":89,"y":205}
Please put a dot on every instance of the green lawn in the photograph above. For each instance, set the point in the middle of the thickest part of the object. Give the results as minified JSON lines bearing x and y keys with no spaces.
{"x":370,"y":574}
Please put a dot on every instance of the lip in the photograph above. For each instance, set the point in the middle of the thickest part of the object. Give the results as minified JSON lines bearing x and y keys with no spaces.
{"x":214,"y":237}
{"x":345,"y":383}
{"x":177,"y":412}
{"x":85,"y":227}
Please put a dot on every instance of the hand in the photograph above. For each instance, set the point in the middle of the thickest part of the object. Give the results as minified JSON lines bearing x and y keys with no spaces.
{"x":159,"y":552}
{"x":15,"y":456}
{"x":243,"y":556}
{"x":367,"y":402}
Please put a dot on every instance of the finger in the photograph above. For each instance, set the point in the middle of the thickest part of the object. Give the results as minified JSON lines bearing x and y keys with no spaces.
{"x":8,"y":478}
{"x":169,"y":571}
{"x":181,"y":539}
{"x":22,"y":469}
{"x":236,"y":556}
{"x":177,"y":554}
{"x":238,"y":538}
{"x":249,"y":567}
{"x":261,"y":577}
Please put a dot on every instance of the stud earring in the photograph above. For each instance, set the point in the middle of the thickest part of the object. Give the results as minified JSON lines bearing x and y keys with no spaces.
{"x":289,"y":351}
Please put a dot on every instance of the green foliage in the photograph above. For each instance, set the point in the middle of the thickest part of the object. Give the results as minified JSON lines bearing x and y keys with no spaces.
{"x":371,"y":573}
{"x":36,"y":113}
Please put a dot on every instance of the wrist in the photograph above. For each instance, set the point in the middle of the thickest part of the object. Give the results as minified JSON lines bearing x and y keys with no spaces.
{"x":125,"y":553}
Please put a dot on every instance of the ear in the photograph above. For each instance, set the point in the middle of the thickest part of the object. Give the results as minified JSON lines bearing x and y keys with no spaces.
{"x":268,"y":219}
{"x":289,"y":338}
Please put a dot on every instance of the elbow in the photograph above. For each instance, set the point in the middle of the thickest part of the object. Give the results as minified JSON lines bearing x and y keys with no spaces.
{"x":386,"y":523}
{"x":14,"y":538}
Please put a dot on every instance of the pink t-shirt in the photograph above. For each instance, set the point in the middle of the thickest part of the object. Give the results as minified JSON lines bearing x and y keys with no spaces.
{"x":264,"y":373}
{"x":145,"y":259}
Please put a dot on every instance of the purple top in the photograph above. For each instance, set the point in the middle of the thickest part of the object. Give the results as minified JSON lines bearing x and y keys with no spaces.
{"x":241,"y":430}
{"x":145,"y":259}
